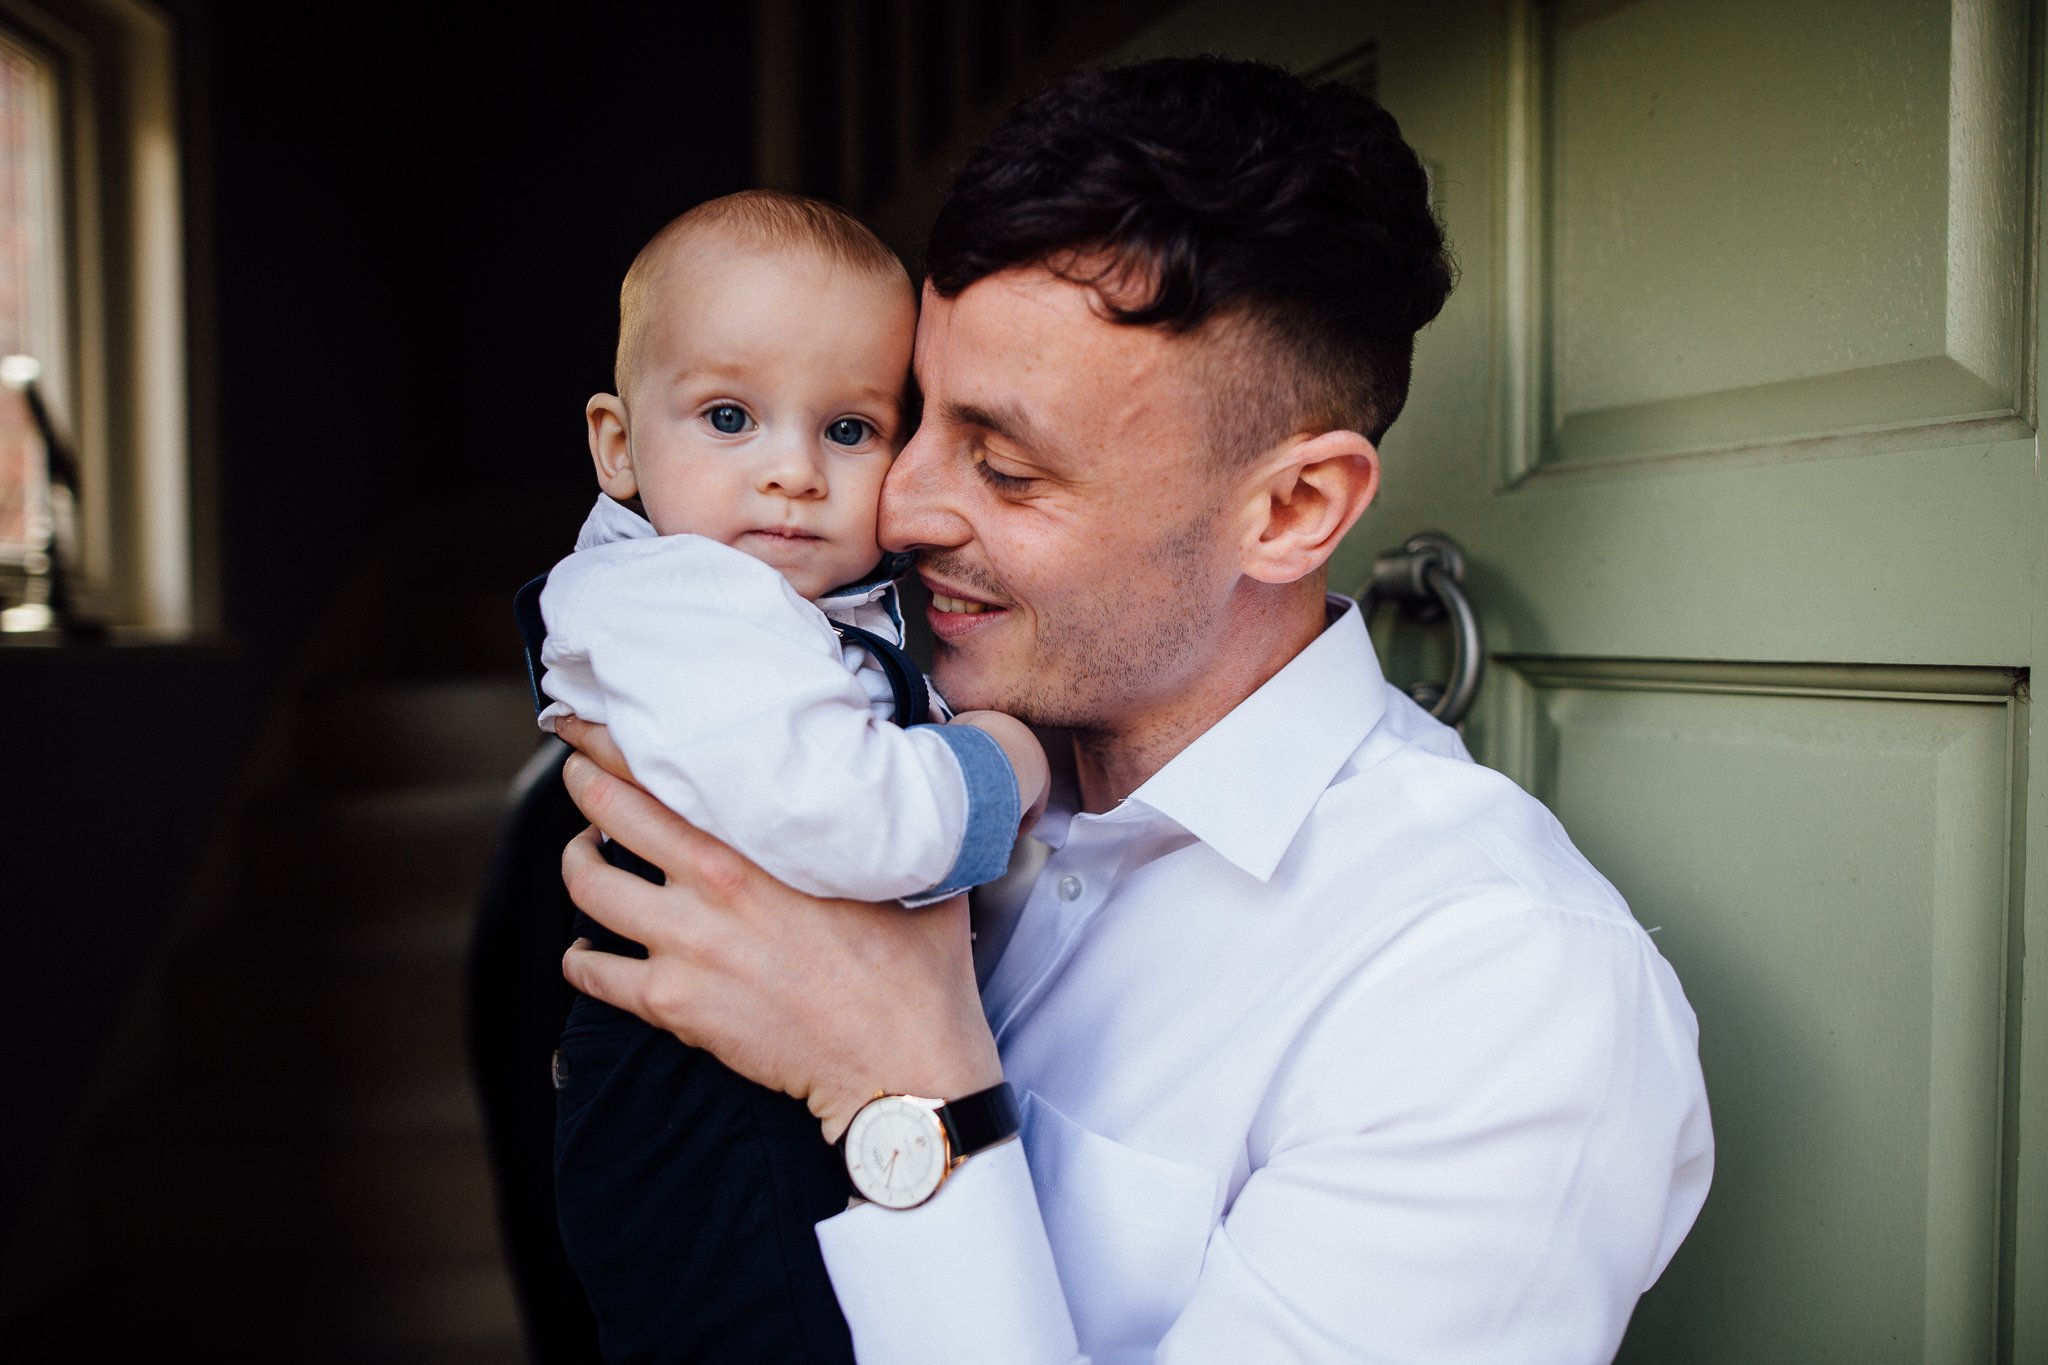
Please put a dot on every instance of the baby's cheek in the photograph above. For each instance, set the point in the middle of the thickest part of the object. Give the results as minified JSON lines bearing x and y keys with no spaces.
{"x":865,"y":531}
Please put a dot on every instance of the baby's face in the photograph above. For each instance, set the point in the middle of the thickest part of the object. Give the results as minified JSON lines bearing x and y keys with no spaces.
{"x":768,"y":405}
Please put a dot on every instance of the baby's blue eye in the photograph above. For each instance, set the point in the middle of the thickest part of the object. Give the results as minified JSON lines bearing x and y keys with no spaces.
{"x":727,"y":418}
{"x":848,"y":431}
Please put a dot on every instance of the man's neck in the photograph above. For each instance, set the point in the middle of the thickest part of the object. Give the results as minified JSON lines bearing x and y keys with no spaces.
{"x":1261,"y":638}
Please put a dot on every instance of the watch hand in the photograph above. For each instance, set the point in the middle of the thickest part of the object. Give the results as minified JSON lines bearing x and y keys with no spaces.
{"x":888,"y":1170}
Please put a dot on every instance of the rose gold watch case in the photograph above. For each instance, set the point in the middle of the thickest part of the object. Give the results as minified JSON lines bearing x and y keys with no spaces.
{"x":889,"y":1199}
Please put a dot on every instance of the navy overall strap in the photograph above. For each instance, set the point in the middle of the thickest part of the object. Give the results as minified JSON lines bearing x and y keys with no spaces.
{"x":906,"y":679}
{"x":534,"y":630}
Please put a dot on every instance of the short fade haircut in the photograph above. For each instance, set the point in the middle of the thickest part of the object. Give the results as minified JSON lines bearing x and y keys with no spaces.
{"x":1187,"y":190}
{"x":769,"y":219}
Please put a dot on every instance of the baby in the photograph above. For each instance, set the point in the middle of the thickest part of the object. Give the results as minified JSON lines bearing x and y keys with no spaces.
{"x":729,"y":614}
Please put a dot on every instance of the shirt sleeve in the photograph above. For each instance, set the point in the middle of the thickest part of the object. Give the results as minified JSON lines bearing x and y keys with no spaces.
{"x":995,"y":808}
{"x":728,"y":697}
{"x":1509,"y":1201}
{"x":971,"y":1269}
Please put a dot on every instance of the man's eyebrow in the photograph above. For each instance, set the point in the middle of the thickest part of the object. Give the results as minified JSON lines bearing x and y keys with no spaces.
{"x":1006,"y":420}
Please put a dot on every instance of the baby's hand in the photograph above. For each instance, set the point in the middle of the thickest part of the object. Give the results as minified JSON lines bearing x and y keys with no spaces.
{"x":1027,"y":758}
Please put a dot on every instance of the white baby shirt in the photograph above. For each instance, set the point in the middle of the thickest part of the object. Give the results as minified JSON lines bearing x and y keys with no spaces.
{"x":737,"y":706}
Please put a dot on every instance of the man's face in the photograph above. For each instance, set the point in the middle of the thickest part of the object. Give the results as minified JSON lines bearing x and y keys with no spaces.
{"x":1069,"y":519}
{"x":768,"y":407}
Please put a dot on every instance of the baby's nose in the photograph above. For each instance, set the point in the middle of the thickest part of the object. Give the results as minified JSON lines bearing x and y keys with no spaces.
{"x":793,"y":470}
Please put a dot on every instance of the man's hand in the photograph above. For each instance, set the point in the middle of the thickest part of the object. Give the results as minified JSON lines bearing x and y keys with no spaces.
{"x":1026,"y":755}
{"x":829,"y":1001}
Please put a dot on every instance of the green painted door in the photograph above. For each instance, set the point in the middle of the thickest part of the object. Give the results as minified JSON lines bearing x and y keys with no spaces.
{"x":1733,"y":412}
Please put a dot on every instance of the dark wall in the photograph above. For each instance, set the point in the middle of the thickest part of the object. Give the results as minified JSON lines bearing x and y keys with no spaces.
{"x":423,"y":220}
{"x":579,"y":145}
{"x":416,"y":218}
{"x":112,"y":763}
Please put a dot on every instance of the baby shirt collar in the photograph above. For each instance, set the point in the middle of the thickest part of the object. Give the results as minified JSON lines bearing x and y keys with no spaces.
{"x":611,"y":521}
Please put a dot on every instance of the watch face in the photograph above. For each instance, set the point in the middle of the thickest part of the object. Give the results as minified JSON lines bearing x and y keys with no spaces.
{"x":895,"y":1152}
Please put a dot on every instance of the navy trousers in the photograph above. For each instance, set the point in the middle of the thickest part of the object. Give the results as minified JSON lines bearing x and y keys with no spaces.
{"x":687,"y":1195}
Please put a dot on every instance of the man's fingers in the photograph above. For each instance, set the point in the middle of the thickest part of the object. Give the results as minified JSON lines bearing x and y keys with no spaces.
{"x":595,"y":743}
{"x":681,"y":850}
{"x":639,"y":986}
{"x":619,"y":981}
{"x":623,"y":902}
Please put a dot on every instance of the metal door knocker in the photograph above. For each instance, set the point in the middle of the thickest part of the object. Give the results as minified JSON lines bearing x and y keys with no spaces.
{"x":1423,"y":578}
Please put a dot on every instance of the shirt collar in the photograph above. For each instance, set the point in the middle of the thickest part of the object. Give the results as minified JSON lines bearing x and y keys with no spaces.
{"x":611,"y":520}
{"x":858,"y":594}
{"x":1246,"y":785}
{"x":874,"y":582}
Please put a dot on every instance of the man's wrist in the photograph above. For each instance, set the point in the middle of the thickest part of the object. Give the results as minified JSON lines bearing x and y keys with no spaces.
{"x":965,"y":1061}
{"x":949,"y":1082}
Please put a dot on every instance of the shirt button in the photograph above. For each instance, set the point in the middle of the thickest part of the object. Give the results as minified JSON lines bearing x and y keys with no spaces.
{"x":1070,"y":888}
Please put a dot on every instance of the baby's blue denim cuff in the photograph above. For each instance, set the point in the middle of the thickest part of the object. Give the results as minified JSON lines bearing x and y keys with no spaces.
{"x":993,"y":811}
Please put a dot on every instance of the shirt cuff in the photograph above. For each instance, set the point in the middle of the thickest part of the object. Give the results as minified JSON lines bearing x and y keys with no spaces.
{"x":994,"y":810}
{"x":970,"y":1270}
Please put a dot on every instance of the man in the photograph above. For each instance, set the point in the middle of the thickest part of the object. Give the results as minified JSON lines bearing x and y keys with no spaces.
{"x":1330,"y":1045}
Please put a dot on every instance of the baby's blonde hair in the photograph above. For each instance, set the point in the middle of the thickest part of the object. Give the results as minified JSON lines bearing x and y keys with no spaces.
{"x":770,"y":219}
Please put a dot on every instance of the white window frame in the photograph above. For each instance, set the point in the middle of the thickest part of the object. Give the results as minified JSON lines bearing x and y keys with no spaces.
{"x":123,"y":395}
{"x":51,"y":288}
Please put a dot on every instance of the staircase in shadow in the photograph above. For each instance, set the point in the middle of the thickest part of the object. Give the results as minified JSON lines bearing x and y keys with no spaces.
{"x":305,"y":1176}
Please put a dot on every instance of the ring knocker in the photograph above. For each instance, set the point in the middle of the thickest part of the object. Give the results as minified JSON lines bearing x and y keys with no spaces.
{"x":1423,"y":577}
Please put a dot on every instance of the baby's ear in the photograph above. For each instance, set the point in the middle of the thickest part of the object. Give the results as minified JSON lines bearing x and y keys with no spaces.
{"x":609,"y":451}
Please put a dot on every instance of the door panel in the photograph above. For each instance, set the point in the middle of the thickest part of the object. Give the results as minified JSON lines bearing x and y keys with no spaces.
{"x":1823,"y":863}
{"x":1784,"y":221}
{"x":1733,"y":412}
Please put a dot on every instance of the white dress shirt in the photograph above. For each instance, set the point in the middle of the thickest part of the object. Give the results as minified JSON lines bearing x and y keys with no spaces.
{"x":738,"y":707}
{"x":1331,"y":1047}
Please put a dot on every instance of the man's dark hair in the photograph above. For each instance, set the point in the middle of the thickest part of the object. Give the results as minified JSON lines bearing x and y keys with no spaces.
{"x":1192,"y":189}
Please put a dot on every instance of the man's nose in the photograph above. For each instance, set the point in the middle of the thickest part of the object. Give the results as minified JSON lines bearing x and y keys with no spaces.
{"x":917,"y":508}
{"x":793,"y":468}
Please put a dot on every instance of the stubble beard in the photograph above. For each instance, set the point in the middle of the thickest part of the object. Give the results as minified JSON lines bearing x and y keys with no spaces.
{"x":1098,"y":658}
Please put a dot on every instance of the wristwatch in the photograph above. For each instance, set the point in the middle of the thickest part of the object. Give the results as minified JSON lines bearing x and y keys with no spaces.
{"x":900,"y":1148}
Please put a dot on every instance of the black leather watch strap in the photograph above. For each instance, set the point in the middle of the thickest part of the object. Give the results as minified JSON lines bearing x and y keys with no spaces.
{"x":981,"y":1120}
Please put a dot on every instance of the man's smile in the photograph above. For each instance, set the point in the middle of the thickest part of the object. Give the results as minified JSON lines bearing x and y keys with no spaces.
{"x":952,"y":613}
{"x":959,"y":604}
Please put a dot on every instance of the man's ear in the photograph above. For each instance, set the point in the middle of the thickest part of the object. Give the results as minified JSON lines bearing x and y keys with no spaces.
{"x":1305,"y":496}
{"x":605,"y":414}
